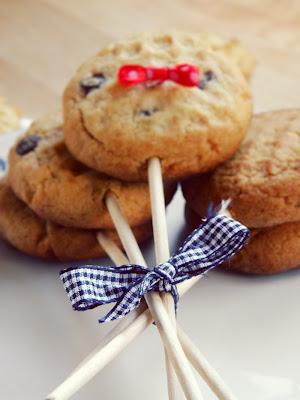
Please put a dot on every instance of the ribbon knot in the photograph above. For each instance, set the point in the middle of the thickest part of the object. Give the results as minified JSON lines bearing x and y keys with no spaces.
{"x":161,"y":278}
{"x":183,"y":74}
{"x":166,"y":271}
{"x":212,"y":243}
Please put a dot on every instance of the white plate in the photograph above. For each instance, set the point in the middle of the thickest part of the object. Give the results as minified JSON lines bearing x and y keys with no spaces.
{"x":247,"y":327}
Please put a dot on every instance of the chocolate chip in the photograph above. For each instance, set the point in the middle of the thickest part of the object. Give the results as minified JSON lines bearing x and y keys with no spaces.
{"x":148,"y":112}
{"x":27,"y":144}
{"x":92,"y":83}
{"x":207,"y":77}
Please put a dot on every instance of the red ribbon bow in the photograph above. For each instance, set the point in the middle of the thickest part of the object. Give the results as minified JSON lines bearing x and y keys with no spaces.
{"x":183,"y":74}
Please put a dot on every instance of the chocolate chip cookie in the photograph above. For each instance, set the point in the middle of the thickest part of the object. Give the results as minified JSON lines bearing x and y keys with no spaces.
{"x":23,"y":229}
{"x":116,"y":130}
{"x":58,"y":188}
{"x":262,"y":179}
{"x":269,"y":250}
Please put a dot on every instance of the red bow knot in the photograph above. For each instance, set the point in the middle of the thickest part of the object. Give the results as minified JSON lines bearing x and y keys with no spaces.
{"x":183,"y":74}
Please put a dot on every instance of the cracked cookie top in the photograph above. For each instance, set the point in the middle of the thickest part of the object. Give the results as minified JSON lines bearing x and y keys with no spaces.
{"x":262,"y":179}
{"x":58,"y":188}
{"x":115,"y":130}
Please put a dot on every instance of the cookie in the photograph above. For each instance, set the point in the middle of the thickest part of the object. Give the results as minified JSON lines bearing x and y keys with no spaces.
{"x":262,"y":179}
{"x":269,"y":250}
{"x":232,"y":48}
{"x":23,"y":229}
{"x":116,"y":130}
{"x":59,"y":188}
{"x":9,"y":117}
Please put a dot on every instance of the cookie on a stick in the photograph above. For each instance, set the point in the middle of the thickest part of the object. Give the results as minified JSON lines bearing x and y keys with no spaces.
{"x":199,"y":362}
{"x":125,"y":119}
{"x":116,"y":126}
{"x":130,"y":244}
{"x":124,"y":332}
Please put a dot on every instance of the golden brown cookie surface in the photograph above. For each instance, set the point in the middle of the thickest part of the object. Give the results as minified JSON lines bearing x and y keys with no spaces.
{"x":231,"y":48}
{"x":116,"y":130}
{"x":22,"y":228}
{"x":59,"y":188}
{"x":270,"y":250}
{"x":263,"y":177}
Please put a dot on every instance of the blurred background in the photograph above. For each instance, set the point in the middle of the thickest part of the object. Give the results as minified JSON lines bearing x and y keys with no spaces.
{"x":248,"y":327}
{"x":43,"y":41}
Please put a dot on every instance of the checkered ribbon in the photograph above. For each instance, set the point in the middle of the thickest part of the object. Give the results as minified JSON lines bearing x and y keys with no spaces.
{"x":212,"y":243}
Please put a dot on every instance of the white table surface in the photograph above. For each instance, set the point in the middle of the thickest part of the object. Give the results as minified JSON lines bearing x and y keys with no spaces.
{"x":248,"y":327}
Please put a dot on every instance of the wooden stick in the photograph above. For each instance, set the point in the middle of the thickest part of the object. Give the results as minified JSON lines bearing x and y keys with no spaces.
{"x":164,"y":324}
{"x":197,"y":359}
{"x":111,"y":249}
{"x":162,"y":252}
{"x":98,"y":361}
{"x":160,"y":232}
{"x":159,"y":221}
{"x":123,"y":334}
{"x":118,"y":257}
{"x":205,"y":370}
{"x":112,"y":344}
{"x":116,"y":341}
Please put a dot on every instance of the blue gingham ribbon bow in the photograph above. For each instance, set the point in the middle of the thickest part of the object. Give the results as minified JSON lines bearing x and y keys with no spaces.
{"x":212,"y":243}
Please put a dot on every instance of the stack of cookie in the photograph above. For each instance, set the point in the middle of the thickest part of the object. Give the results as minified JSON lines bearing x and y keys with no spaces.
{"x":158,"y":106}
{"x":262,"y":183}
{"x":52,"y":203}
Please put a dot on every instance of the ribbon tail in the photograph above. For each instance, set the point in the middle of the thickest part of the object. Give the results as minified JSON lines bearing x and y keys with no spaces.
{"x":219,"y":209}
{"x":91,"y":286}
{"x":129,"y":302}
{"x":175,"y":295}
{"x":212,"y":243}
